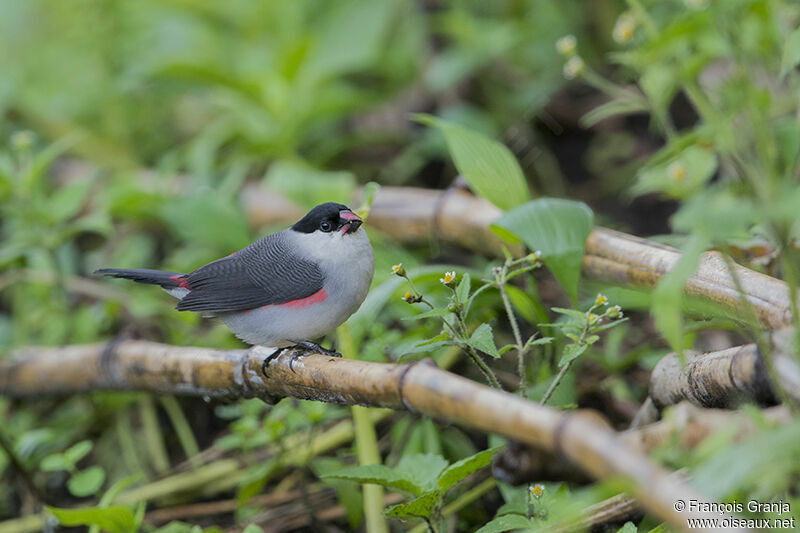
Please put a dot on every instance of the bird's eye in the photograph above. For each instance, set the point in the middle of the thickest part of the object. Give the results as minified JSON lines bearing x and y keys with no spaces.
{"x":326,"y":226}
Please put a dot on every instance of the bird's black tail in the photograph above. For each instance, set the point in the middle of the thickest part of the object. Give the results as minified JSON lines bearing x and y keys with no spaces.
{"x":167,"y":280}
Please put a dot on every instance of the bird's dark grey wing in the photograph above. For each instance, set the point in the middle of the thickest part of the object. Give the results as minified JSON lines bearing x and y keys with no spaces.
{"x":265,"y":273}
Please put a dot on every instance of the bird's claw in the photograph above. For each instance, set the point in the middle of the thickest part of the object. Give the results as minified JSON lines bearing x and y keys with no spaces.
{"x":300,"y":348}
{"x":308,"y":347}
{"x":269,"y":358}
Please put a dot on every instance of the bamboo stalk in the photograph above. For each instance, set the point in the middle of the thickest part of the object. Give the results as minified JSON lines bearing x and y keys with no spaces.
{"x":582,"y":437}
{"x":722,"y":379}
{"x":409,"y":214}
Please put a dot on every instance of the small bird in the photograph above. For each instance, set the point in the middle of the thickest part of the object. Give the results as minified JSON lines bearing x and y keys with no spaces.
{"x":284,"y":290}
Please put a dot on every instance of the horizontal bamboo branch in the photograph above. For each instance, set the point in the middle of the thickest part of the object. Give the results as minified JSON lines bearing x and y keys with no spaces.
{"x":582,"y":437}
{"x":416,"y":215}
{"x":725,"y":378}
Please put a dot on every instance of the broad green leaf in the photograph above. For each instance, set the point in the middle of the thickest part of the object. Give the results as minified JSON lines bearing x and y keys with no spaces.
{"x":483,"y":339}
{"x":379,"y":475}
{"x":531,"y":309}
{"x":758,"y":461}
{"x":422,"y":468}
{"x":558,"y":228}
{"x":507,"y":522}
{"x":488,"y":166}
{"x":308,"y":186}
{"x":86,"y":482}
{"x":347,"y":493}
{"x":207,"y":218}
{"x":420,"y":506}
{"x":56,"y":462}
{"x":114,"y":519}
{"x":349,"y":40}
{"x":462,"y":290}
{"x":791,"y":53}
{"x":78,"y":451}
{"x":461,"y":469}
{"x":65,"y":202}
{"x":571,"y":352}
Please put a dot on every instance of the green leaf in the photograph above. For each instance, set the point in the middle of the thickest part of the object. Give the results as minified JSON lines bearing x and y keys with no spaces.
{"x":462,"y":290}
{"x":420,"y":506}
{"x":461,"y":469}
{"x":78,"y":451}
{"x":531,"y":309}
{"x":114,"y":519}
{"x":507,"y":522}
{"x":659,"y":83}
{"x":252,"y":528}
{"x":379,"y":475}
{"x":791,"y":53}
{"x":571,"y":352}
{"x":422,"y":468}
{"x":558,"y":228}
{"x":668,"y":296}
{"x":488,"y":166}
{"x":436,"y":311}
{"x":65,"y":202}
{"x":681,"y":177}
{"x":86,"y":482}
{"x":483,"y":339}
{"x":628,"y":527}
{"x":55,"y":462}
{"x":570,"y":312}
{"x":308,"y":186}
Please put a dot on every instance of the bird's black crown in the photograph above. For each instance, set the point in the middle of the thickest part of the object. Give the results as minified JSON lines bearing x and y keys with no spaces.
{"x":327,"y":212}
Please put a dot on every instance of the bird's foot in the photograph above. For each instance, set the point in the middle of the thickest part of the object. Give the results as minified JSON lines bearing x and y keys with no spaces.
{"x":270,"y":357}
{"x":308,"y":347}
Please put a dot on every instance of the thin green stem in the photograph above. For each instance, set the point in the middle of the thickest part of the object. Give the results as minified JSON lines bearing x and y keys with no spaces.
{"x":555,"y":383}
{"x":462,"y":501}
{"x":500,"y":276}
{"x":182,"y":428}
{"x":366,"y":445}
{"x":484,"y":368}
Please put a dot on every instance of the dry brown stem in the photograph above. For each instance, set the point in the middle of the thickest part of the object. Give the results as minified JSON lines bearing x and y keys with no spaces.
{"x":582,"y":437}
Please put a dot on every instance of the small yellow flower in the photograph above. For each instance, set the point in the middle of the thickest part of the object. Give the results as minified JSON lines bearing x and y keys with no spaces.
{"x":407,"y":296}
{"x":566,"y":45}
{"x":398,"y":269}
{"x":593,"y":318}
{"x":574,"y":67}
{"x":537,"y":490}
{"x":449,"y":278}
{"x":614,"y":312}
{"x":677,"y":171}
{"x":22,"y":140}
{"x":600,"y":300}
{"x":624,"y":28}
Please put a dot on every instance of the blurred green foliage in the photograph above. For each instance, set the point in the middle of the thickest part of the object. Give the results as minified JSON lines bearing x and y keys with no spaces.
{"x":131,"y":128}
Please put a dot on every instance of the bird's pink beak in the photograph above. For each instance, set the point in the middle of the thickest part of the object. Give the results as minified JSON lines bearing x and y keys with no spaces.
{"x":353,"y":221}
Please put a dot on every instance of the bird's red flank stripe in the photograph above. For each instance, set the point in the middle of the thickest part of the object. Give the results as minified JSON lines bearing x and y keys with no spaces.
{"x":300,"y":303}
